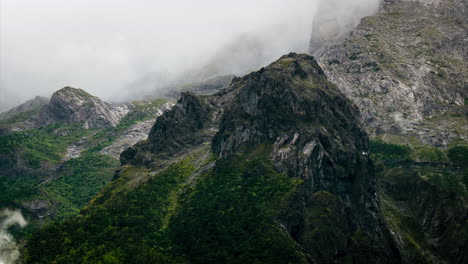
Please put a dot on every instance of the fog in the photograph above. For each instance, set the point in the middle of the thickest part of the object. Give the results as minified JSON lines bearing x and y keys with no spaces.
{"x":9,"y":251}
{"x":121,"y":49}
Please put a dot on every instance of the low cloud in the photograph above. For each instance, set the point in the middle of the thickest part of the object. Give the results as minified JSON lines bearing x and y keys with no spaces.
{"x":120,"y":49}
{"x":9,"y":252}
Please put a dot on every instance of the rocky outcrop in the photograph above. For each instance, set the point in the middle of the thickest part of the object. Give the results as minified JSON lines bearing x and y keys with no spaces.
{"x":71,"y":105}
{"x":405,"y":66}
{"x":313,"y":134}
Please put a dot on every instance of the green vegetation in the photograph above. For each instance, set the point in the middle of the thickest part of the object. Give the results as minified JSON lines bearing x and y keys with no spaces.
{"x":429,"y":154}
{"x":41,"y":150}
{"x":232,"y":210}
{"x":437,"y":171}
{"x":458,"y":155}
{"x":20,"y":117}
{"x":17,"y":189}
{"x":79,"y":180}
{"x":45,"y":144}
{"x":171,"y":219}
{"x":386,"y":151}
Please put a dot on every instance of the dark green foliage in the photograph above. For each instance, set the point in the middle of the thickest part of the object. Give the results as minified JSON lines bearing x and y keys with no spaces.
{"x":79,"y":180}
{"x":45,"y":144}
{"x":449,"y":181}
{"x":17,"y":189}
{"x":458,"y":155}
{"x":430,"y":154}
{"x":386,"y":151}
{"x":128,"y":229}
{"x":231,"y":210}
{"x":229,"y":217}
{"x":331,"y":62}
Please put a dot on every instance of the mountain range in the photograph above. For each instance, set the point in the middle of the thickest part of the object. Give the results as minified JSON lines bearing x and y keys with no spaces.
{"x":356,"y":155}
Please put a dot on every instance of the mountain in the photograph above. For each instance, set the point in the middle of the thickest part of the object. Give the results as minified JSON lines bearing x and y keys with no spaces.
{"x":56,"y":158}
{"x":273,"y":169}
{"x":360,"y":157}
{"x":405,"y":68}
{"x":23,"y":110}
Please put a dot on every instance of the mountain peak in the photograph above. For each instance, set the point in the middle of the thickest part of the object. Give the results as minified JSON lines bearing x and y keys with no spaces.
{"x":289,"y":114}
{"x":73,"y":105}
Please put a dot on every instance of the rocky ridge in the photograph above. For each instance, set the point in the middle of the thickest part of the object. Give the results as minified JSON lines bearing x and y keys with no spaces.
{"x":306,"y":128}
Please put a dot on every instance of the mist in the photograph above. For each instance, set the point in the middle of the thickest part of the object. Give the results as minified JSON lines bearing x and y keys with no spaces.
{"x":119,"y":49}
{"x":9,"y":251}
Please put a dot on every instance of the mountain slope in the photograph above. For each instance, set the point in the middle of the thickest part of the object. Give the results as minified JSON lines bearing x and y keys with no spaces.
{"x":24,"y":110}
{"x":53,"y":162}
{"x":273,"y":169}
{"x":405,"y":68}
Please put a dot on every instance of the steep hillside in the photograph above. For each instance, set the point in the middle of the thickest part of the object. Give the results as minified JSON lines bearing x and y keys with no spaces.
{"x":273,"y":169}
{"x":405,"y":68}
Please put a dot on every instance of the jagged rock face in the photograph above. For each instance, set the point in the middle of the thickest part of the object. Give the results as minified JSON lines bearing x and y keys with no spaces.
{"x":317,"y":137}
{"x":71,"y":105}
{"x":313,"y":126}
{"x":404,"y":66}
{"x":192,"y":121}
{"x":314,"y":134}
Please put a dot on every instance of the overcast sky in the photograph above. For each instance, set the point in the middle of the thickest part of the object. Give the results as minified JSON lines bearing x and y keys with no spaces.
{"x":120,"y":48}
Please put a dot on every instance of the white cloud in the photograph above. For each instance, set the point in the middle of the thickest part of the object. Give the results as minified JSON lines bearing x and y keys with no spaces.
{"x":115,"y":48}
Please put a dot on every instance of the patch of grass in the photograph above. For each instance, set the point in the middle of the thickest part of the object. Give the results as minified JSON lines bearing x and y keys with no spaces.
{"x":387,"y":151}
{"x":429,"y":154}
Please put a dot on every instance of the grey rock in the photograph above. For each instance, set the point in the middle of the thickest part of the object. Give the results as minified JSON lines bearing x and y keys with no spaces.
{"x":405,"y":66}
{"x":315,"y":136}
{"x":133,"y":134}
{"x":71,"y":105}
